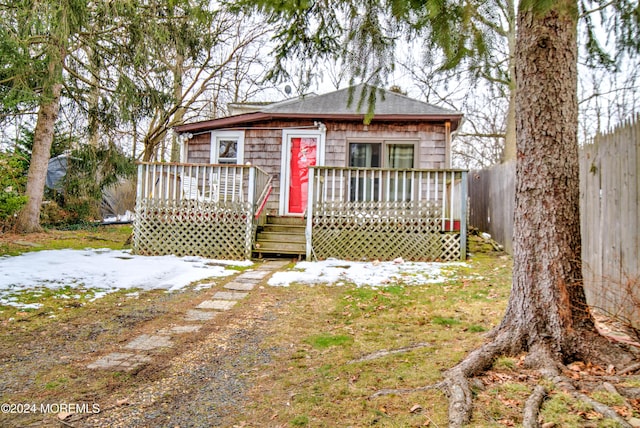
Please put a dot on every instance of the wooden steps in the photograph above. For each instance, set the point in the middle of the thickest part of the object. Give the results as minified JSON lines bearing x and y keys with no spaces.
{"x":281,"y":235}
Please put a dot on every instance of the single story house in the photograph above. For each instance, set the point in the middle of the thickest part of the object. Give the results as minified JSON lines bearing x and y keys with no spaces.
{"x":314,"y":175}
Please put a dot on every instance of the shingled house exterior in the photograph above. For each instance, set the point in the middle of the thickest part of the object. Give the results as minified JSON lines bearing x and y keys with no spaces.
{"x":310,"y":176}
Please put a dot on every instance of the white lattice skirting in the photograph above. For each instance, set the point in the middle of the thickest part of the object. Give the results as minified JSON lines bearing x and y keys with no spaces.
{"x":383,"y":233}
{"x":216,"y":230}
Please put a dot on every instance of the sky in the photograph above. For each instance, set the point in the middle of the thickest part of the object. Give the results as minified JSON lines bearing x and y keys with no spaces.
{"x":101,"y":271}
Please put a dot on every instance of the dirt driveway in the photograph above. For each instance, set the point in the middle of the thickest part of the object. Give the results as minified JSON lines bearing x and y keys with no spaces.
{"x":199,"y":380}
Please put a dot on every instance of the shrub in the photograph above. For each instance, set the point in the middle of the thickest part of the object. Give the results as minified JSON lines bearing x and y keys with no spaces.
{"x":90,"y":170}
{"x":13,"y":177}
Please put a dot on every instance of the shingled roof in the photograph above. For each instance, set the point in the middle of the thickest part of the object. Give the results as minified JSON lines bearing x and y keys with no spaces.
{"x":344,"y":104}
{"x":353,"y":101}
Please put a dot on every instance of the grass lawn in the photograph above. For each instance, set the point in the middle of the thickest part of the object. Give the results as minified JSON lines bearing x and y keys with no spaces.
{"x":341,"y":345}
{"x":330,"y":349}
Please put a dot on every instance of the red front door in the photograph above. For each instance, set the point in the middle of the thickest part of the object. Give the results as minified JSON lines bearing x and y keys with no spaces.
{"x":302,"y":156}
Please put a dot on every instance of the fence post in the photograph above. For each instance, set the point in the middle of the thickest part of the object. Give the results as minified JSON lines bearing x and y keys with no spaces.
{"x":310,"y":199}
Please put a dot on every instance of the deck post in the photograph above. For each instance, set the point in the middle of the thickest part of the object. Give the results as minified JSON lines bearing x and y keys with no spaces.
{"x":142,"y":169}
{"x":251,"y":192}
{"x":251,"y":197}
{"x":463,"y":216}
{"x":310,"y":200}
{"x":139,"y":183}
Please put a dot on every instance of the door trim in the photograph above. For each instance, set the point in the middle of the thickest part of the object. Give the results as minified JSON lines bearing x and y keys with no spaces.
{"x":285,"y":176}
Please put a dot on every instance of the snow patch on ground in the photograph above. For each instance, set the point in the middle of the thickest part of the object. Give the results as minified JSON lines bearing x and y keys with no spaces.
{"x":97,"y":272}
{"x":127,"y":217}
{"x":374,"y":274}
{"x":103,"y":271}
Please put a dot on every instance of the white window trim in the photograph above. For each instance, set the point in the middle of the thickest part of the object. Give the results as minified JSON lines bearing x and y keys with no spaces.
{"x":238,"y":135}
{"x":286,"y":151}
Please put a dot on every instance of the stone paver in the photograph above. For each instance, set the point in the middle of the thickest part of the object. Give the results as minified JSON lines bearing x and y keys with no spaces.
{"x":229,"y":295}
{"x":272,"y":265}
{"x":147,"y":342}
{"x":254,"y":274}
{"x":239,"y":286}
{"x":195,"y":315}
{"x":180,"y":329}
{"x":120,"y":361}
{"x":220,"y":305}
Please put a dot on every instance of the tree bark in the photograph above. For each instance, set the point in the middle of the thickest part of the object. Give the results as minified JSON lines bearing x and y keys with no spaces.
{"x":178,"y":117}
{"x":547,"y":310}
{"x":509,"y":152}
{"x":29,"y":217}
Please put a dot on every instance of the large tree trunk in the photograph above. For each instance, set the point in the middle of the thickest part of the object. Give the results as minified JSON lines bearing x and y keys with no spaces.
{"x":547,"y":315}
{"x":29,"y":217}
{"x":547,"y":310}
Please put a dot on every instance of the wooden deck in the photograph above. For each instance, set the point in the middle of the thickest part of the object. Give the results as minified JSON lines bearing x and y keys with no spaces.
{"x":202,"y":210}
{"x":367,"y":214}
{"x":216,"y":211}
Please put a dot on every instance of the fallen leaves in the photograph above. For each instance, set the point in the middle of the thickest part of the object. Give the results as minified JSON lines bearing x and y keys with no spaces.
{"x":579,"y":368}
{"x":591,"y":415}
{"x":623,"y":411}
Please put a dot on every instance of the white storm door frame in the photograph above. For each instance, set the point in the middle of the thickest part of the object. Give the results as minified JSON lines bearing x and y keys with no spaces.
{"x":285,"y":176}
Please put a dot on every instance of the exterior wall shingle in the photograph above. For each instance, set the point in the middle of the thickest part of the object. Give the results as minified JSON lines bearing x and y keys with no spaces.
{"x":263,"y":144}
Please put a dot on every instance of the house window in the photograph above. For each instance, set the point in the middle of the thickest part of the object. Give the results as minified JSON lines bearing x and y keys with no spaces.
{"x":227,"y":147}
{"x":398,"y":155}
{"x":365,"y":186}
{"x":365,"y":155}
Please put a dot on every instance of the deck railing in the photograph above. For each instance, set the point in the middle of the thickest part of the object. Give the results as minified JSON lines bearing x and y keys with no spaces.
{"x":198,"y":182}
{"x":352,"y":213}
{"x":392,"y":188}
{"x":177,"y":205}
{"x":377,"y":202}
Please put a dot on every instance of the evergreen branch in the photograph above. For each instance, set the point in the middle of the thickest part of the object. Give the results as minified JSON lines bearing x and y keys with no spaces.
{"x":600,"y":8}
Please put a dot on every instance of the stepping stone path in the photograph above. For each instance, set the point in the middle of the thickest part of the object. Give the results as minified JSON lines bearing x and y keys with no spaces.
{"x":221,"y":305}
{"x":194,"y":315}
{"x":147,"y":342}
{"x":120,"y":361}
{"x":205,"y":311}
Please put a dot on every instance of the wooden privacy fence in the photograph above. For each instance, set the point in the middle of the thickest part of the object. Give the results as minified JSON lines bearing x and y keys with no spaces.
{"x":609,"y":212}
{"x":610,"y":220}
{"x":198,"y":209}
{"x":374,"y":213}
{"x":492,"y":197}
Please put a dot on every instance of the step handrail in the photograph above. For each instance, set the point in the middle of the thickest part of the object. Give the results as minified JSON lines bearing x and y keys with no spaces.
{"x":264,"y":196}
